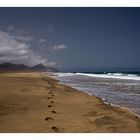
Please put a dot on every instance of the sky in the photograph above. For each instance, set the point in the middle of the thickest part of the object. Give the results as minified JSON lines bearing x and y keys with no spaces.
{"x":71,"y":39}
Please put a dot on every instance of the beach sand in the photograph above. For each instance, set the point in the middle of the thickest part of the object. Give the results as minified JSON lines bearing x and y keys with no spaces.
{"x":33,"y":102}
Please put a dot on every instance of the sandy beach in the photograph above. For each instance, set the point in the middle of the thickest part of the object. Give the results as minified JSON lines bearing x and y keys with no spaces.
{"x":33,"y":102}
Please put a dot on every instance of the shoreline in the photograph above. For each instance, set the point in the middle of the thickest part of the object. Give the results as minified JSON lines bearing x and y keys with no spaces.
{"x":39,"y":103}
{"x":103,"y":100}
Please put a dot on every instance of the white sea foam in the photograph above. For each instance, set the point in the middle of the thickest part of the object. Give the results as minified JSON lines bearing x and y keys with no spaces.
{"x":113,"y":76}
{"x":64,"y":74}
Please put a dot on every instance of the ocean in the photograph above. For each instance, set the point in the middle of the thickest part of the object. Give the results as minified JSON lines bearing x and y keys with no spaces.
{"x":122,"y":89}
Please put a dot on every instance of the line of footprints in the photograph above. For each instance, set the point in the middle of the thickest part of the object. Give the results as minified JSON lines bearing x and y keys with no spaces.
{"x":54,"y":128}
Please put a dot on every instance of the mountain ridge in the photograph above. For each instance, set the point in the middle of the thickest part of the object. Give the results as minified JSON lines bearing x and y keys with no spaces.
{"x":10,"y":67}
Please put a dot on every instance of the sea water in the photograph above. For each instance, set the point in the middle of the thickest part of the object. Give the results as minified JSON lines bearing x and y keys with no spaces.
{"x":121,"y":89}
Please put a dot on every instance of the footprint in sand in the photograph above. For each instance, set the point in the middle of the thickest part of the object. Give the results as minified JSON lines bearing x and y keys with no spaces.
{"x":52,"y":101}
{"x":49,"y":97}
{"x":53,"y":112}
{"x":48,"y":118}
{"x":49,"y":106}
{"x":57,"y":130}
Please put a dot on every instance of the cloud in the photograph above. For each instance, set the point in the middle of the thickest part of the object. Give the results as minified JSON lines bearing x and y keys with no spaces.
{"x":16,"y":49}
{"x":41,"y":40}
{"x":10,"y":27}
{"x":23,"y":38}
{"x":59,"y":47}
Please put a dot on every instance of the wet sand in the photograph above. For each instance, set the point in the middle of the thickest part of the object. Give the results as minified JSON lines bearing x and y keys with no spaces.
{"x":32,"y":102}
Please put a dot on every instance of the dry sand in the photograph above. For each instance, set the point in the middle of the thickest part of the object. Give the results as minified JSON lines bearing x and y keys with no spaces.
{"x":31,"y":102}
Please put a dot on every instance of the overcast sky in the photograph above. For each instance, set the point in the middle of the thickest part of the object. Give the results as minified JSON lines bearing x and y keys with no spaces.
{"x":71,"y":38}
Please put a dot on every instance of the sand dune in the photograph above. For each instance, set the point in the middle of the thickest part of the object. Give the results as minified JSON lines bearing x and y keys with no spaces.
{"x":32,"y":102}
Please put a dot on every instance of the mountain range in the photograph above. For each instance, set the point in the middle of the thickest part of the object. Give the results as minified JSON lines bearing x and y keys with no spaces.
{"x":9,"y":67}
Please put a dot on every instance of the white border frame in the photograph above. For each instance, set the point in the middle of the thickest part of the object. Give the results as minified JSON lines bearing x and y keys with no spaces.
{"x":69,"y":3}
